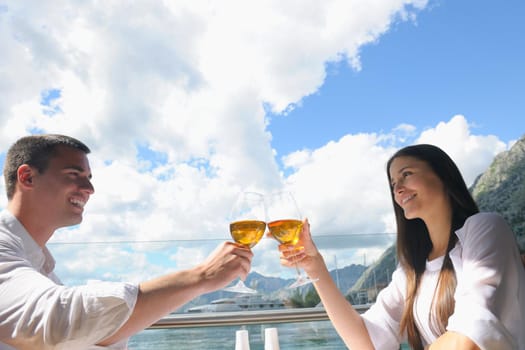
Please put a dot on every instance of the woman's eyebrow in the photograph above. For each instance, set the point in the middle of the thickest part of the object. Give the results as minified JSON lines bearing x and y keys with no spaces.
{"x":403,"y":168}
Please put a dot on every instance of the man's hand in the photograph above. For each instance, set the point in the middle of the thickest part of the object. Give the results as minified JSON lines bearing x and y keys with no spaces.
{"x":226,"y":263}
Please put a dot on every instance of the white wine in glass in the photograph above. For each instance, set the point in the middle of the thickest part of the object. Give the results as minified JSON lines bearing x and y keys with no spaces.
{"x":247,"y":227}
{"x":286,"y":231}
{"x":285,"y":225}
{"x":247,"y":232}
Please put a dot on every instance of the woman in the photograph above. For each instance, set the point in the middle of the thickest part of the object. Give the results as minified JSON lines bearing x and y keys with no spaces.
{"x":459,"y":284}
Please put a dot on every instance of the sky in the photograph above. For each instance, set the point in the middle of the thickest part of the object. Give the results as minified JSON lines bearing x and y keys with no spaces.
{"x":185,"y":104}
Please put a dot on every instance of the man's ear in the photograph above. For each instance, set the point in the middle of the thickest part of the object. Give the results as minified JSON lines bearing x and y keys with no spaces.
{"x":25,"y":175}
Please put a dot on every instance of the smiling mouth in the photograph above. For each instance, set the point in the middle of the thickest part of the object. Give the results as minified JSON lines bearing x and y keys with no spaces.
{"x":77,"y":202}
{"x":406,"y":199}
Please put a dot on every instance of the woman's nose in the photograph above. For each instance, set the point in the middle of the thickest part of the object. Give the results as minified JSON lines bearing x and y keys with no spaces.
{"x":398,"y":188}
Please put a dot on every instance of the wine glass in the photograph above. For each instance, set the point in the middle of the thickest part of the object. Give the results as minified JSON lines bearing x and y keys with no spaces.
{"x":285,"y":224}
{"x":247,"y":227}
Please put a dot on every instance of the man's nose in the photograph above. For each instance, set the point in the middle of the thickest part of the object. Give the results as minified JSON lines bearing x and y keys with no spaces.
{"x":87,"y":186}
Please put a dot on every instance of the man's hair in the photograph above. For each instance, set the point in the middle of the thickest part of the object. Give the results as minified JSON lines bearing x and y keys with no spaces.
{"x":35,"y":151}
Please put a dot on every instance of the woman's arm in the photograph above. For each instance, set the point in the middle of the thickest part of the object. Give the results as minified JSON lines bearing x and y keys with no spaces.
{"x":489,"y":276}
{"x":345,"y":319}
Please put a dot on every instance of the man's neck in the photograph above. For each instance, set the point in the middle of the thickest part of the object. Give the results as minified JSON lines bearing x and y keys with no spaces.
{"x":37,"y":230}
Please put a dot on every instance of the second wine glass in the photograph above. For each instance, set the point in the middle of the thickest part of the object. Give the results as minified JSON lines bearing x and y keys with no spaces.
{"x":247,"y":226}
{"x":285,"y":225}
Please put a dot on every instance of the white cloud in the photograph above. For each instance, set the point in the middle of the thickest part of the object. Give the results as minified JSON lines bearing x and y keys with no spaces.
{"x":188,"y":80}
{"x":186,"y":258}
{"x":177,"y":76}
{"x":100,"y":261}
{"x":471,"y":153}
{"x":339,"y":181}
{"x":341,"y":187}
{"x":266,"y":259}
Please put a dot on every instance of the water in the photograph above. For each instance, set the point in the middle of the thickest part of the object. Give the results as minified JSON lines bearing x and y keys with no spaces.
{"x":305,"y":335}
{"x":318,"y":335}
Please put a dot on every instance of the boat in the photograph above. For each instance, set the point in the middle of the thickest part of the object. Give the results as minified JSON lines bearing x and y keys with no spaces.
{"x":239,"y":303}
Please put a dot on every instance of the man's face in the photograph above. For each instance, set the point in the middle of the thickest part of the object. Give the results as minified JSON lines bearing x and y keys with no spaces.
{"x":64,"y":187}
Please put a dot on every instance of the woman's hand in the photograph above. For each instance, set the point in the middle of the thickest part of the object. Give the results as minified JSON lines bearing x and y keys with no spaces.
{"x":304,"y":253}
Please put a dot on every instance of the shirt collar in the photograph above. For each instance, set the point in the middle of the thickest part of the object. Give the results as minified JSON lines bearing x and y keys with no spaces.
{"x":40,"y":258}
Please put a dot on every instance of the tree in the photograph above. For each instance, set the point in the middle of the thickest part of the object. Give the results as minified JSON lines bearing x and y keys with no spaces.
{"x":308,"y":299}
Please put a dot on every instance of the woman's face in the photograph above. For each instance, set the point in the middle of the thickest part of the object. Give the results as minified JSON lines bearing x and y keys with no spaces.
{"x":417,"y":189}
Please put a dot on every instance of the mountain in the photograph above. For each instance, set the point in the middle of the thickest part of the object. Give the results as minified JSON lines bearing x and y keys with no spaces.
{"x":268,"y":286}
{"x":375,"y":277}
{"x":347,"y":276}
{"x":501,"y":188}
{"x":275,"y":287}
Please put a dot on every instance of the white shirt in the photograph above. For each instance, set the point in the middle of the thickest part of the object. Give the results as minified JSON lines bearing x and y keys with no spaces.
{"x":37,"y":312}
{"x":490,"y":292}
{"x":423,"y":303}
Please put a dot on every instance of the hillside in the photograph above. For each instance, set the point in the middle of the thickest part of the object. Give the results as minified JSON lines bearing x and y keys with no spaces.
{"x":375,"y":277}
{"x":502,"y":188}
{"x":274,"y":287}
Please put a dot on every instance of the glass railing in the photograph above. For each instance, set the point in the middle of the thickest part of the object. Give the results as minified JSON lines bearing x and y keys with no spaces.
{"x":210,"y":321}
{"x":294,"y":335}
{"x":235,"y":318}
{"x":297,"y":328}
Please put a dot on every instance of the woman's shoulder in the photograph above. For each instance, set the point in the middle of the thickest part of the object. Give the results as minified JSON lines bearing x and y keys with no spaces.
{"x":485,"y":219}
{"x":399,"y":277}
{"x":484,"y":225}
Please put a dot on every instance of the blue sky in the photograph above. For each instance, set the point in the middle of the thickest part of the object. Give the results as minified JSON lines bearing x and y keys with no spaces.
{"x":185,"y":104}
{"x":459,"y":57}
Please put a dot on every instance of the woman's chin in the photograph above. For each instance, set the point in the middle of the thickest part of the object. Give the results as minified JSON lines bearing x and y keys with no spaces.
{"x":409,"y":215}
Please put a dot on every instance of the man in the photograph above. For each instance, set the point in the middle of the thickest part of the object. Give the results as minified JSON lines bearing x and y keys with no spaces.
{"x":48,"y":183}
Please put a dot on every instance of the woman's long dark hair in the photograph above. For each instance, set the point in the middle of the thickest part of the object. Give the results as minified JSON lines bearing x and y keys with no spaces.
{"x":414,"y":244}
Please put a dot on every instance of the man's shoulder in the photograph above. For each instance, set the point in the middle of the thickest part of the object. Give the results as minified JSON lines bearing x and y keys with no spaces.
{"x":9,"y":240}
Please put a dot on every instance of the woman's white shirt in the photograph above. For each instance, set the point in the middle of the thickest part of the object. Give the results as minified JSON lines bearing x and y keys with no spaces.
{"x":490,"y":293}
{"x":424,"y":299}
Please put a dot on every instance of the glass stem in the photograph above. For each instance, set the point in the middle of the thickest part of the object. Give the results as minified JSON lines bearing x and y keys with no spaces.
{"x":297,"y":267}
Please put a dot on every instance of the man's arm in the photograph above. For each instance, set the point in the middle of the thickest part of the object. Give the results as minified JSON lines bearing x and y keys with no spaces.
{"x":160,"y":296}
